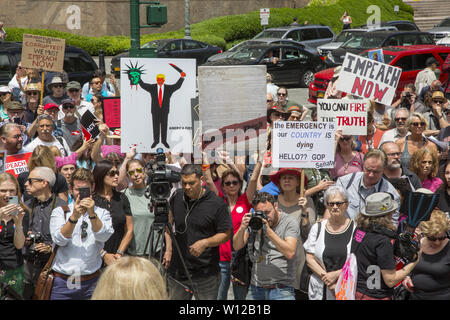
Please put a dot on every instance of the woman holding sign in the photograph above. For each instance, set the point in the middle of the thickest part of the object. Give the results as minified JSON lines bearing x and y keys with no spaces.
{"x":12,"y":236}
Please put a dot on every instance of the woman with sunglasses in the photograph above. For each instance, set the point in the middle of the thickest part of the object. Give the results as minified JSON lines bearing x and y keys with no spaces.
{"x":328,"y":245}
{"x":416,"y":124}
{"x":430,"y":279}
{"x":239,"y":204}
{"x":106,"y":177}
{"x":12,"y":236}
{"x":424,"y":163}
{"x":5,"y":99}
{"x":346,"y":158}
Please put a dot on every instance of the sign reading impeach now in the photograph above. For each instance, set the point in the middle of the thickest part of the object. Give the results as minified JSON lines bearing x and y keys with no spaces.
{"x":40,"y":52}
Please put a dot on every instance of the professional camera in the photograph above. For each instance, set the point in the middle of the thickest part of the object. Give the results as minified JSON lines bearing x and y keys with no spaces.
{"x":34,"y":238}
{"x":406,"y":247}
{"x":406,"y":101}
{"x":256,"y":222}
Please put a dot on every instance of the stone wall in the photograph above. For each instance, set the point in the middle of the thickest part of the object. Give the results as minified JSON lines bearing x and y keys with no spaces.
{"x":111,"y":17}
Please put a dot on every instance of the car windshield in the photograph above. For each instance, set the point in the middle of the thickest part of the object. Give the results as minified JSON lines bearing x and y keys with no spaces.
{"x":364,"y":41}
{"x":270,"y":34}
{"x":248,"y":53}
{"x":387,"y":57}
{"x":244,"y":44}
{"x":346,"y":35}
{"x":444,"y":23}
{"x":153,"y":45}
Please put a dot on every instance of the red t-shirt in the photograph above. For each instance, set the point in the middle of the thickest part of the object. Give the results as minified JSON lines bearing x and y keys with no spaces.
{"x":242,"y":207}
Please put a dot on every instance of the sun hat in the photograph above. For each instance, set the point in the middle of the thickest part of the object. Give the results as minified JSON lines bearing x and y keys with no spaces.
{"x":379,"y":204}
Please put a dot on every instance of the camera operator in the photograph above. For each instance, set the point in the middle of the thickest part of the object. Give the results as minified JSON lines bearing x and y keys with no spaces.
{"x":408,"y":99}
{"x":38,"y":244}
{"x":273,"y":275}
{"x":80,"y":235}
{"x":202,"y":222}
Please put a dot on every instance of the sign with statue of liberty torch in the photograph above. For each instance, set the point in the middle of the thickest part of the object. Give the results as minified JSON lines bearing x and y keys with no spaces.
{"x":156,"y":104}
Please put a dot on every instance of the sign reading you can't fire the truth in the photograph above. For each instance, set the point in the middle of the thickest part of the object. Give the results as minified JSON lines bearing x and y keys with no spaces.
{"x":40,"y":52}
{"x":349,"y":115}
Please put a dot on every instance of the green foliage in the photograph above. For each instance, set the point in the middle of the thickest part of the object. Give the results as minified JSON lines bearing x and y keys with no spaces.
{"x":227,"y":31}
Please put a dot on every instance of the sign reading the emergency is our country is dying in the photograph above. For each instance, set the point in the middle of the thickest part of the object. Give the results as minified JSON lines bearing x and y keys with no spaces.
{"x":369,"y":79}
{"x":298,"y":144}
{"x":349,"y":115}
{"x":40,"y":52}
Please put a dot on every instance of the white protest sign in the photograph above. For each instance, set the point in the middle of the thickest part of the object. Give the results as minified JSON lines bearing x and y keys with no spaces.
{"x":349,"y":115}
{"x":368,"y":79}
{"x":298,"y":144}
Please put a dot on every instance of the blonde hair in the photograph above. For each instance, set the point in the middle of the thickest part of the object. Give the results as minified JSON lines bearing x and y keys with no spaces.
{"x":131,"y":278}
{"x":42,"y":156}
{"x":437,"y":224}
{"x":55,"y":151}
{"x":417,"y":157}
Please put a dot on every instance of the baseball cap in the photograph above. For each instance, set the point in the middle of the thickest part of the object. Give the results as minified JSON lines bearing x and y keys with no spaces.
{"x":50,"y":106}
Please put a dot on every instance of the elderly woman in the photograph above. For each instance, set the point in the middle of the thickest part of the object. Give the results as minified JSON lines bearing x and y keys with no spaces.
{"x":12,"y":237}
{"x":374,"y":250}
{"x":328,"y":245}
{"x":424,"y":163}
{"x":346,"y":158}
{"x":416,"y":125}
{"x":302,"y":208}
{"x":430,"y":279}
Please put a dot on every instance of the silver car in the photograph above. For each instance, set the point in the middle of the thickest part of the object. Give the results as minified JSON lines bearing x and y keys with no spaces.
{"x":441,"y":30}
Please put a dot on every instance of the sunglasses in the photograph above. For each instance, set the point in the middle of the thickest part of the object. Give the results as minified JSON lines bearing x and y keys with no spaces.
{"x":269,"y":100}
{"x":68,"y":106}
{"x":438,"y":101}
{"x":30,"y":180}
{"x":400,"y":119}
{"x":229,"y":183}
{"x":58,"y":86}
{"x":84,"y":226}
{"x":138,"y":170}
{"x":416,"y":124}
{"x":112,"y":173}
{"x":337,"y":203}
{"x":32,"y":93}
{"x":282,"y":94}
{"x":98,"y":82}
{"x":434,"y":238}
{"x":345,"y":138}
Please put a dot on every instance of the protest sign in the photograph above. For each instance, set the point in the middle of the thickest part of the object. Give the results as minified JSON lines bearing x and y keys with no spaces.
{"x":376,"y":54}
{"x":156,"y":104}
{"x":369,"y":79}
{"x":232,"y":103}
{"x":2,"y":160}
{"x":299,"y":144}
{"x":111,"y":112}
{"x":349,"y":115}
{"x":88,"y":123}
{"x":17,"y":163}
{"x":40,"y":52}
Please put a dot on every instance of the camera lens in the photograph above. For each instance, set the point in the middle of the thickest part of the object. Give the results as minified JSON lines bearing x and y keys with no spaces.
{"x":255,"y":223}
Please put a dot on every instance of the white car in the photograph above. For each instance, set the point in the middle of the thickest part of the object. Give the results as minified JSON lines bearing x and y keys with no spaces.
{"x":441,"y":31}
{"x":345,"y":35}
{"x":444,"y":41}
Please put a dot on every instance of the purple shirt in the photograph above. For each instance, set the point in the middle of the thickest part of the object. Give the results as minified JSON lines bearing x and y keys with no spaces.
{"x":432,"y":184}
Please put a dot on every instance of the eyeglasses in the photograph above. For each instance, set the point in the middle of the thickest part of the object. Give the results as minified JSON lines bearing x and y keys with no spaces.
{"x":112,"y":173}
{"x":269,"y":100}
{"x":84,"y":226}
{"x":229,"y":183}
{"x":32,"y":93}
{"x":345,"y":138}
{"x":416,"y":124}
{"x":282,"y":94}
{"x":138,"y":170}
{"x":394,"y":154}
{"x":30,"y":180}
{"x":434,"y":238}
{"x":337,"y":203}
{"x":400,"y":119}
{"x":68,"y":106}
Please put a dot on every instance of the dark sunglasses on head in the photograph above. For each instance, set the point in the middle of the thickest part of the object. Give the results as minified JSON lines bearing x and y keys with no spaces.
{"x":416,"y":124}
{"x":138,"y":170}
{"x":112,"y":173}
{"x":229,"y":183}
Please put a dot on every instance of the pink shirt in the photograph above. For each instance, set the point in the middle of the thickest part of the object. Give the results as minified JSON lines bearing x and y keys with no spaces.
{"x":341,"y":168}
{"x":432,"y":184}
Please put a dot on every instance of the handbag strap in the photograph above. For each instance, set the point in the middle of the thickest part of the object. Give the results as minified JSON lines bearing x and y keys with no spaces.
{"x":52,"y":257}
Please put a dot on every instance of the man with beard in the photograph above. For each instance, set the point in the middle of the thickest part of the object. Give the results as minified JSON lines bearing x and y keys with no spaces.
{"x":394,"y":168}
{"x":70,"y":124}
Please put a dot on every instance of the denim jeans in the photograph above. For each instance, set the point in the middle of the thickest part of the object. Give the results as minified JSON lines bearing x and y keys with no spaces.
{"x":239,"y":291}
{"x":260,"y":293}
{"x":61,"y":290}
{"x":225,"y":272}
{"x":204,"y":288}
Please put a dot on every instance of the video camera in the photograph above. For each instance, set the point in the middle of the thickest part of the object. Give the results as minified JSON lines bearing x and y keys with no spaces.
{"x":160,"y":179}
{"x":256,"y":222}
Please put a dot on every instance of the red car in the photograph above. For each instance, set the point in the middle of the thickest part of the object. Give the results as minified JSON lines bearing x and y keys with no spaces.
{"x":410,"y":58}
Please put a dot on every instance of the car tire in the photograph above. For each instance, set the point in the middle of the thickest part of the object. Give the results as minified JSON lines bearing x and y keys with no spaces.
{"x":306,"y":78}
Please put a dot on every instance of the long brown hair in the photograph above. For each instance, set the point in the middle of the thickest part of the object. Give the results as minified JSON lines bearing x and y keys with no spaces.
{"x":42,"y":156}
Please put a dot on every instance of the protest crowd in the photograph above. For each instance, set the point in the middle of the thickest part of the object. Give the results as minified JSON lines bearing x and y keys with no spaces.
{"x":236,"y":222}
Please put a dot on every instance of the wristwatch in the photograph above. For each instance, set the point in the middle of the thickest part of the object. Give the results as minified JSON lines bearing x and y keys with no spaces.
{"x":93,"y":217}
{"x":72,"y":222}
{"x":119,"y":252}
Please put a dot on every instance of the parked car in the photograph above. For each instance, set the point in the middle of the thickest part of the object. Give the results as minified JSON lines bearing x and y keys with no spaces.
{"x":344,"y":36}
{"x":441,"y":30}
{"x":376,"y":39}
{"x":401,"y":25}
{"x":312,"y":35}
{"x":78,"y":64}
{"x":410,"y":58}
{"x":261,"y":41}
{"x":295,"y":65}
{"x":172,"y":48}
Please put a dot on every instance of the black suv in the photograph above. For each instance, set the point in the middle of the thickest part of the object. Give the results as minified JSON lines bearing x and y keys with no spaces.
{"x":311,"y":35}
{"x":78,"y":64}
{"x":377,"y":39}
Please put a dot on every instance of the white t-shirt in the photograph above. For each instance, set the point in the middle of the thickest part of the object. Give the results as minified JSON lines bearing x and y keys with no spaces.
{"x":64,"y":148}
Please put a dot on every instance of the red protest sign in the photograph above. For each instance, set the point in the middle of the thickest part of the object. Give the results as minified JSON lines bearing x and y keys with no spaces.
{"x":17,"y":163}
{"x":111,"y":112}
